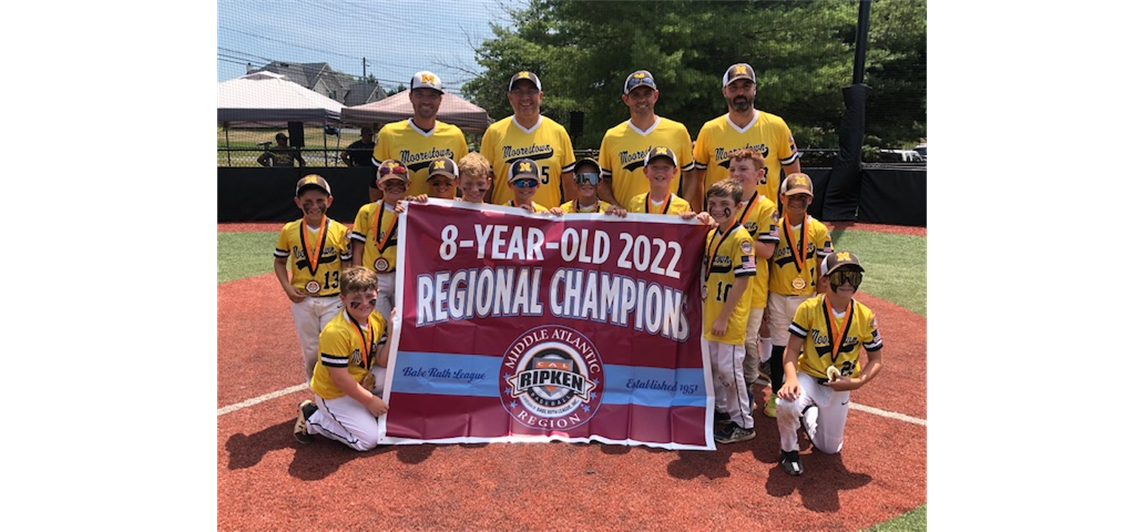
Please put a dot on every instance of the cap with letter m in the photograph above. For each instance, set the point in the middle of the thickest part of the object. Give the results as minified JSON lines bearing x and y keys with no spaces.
{"x":797,"y":184}
{"x":426,"y":80}
{"x":738,"y":71}
{"x":312,"y":181}
{"x":657,"y":152}
{"x":443,"y":166}
{"x":839,"y":259}
{"x":524,"y":169}
{"x":524,"y":74}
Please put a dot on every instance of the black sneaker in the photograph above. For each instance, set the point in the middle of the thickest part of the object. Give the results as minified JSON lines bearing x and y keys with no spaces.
{"x":791,"y":463}
{"x":733,"y":433}
{"x":722,"y":418}
{"x":305,"y":410}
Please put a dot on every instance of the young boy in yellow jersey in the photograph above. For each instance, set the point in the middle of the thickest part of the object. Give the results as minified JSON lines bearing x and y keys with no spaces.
{"x":308,"y":260}
{"x":587,"y":178}
{"x":828,"y":328}
{"x":524,"y":180}
{"x":729,"y":264}
{"x":803,"y":243}
{"x":660,"y":167}
{"x":443,"y":179}
{"x":349,"y":383}
{"x":375,"y":231}
{"x":759,"y":216}
{"x":442,"y":183}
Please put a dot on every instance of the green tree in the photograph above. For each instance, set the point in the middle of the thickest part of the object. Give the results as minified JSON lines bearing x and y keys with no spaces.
{"x":802,"y":51}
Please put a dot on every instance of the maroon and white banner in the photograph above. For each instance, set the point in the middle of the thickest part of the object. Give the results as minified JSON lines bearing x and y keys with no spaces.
{"x":522,"y":327}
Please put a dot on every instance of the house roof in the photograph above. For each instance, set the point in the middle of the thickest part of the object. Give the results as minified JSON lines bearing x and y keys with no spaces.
{"x":347,"y":90}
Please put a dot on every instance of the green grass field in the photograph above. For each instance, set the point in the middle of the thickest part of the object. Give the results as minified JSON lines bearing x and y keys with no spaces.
{"x":895,"y":271}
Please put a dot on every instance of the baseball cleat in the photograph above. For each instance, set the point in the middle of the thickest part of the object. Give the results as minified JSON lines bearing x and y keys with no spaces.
{"x":305,"y":410}
{"x":791,"y":463}
{"x":733,"y":433}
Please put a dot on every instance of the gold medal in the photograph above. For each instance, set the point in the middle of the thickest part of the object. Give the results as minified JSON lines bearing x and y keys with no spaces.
{"x":832,"y":373}
{"x":703,"y":291}
{"x":798,"y":283}
{"x":381,"y":265}
{"x":368,"y":382}
{"x":313,"y":287}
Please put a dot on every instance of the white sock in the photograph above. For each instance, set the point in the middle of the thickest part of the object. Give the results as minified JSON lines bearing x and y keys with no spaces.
{"x":764,"y":349}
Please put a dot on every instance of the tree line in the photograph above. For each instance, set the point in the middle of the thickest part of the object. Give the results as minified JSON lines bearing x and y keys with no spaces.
{"x":802,"y":52}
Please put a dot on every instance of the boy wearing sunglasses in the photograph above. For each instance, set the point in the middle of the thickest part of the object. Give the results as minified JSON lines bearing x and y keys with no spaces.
{"x":829,"y":328}
{"x":308,"y":260}
{"x":587,"y":178}
{"x":348,"y":384}
{"x":524,"y":180}
{"x":375,"y":230}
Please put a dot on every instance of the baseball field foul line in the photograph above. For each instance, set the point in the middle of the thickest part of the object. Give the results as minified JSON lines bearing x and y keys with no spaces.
{"x":267,"y":397}
{"x":305,"y":386}
{"x":891,"y":415}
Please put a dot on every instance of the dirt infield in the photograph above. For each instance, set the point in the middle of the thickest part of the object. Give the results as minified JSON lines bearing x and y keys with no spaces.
{"x":268,"y":482}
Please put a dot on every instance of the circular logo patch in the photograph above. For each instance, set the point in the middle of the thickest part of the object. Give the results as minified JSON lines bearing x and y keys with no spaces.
{"x":313,"y":287}
{"x":381,"y":265}
{"x":553,"y":378}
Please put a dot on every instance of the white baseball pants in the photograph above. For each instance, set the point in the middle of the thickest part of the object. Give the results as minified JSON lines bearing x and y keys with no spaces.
{"x":346,"y":420}
{"x":825,"y":432}
{"x":310,"y":316}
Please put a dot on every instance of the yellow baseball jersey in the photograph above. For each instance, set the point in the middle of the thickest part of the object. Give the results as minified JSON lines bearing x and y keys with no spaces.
{"x":379,"y":237}
{"x":536,"y":207}
{"x":674,"y":205}
{"x":812,"y":324}
{"x":784,"y":270}
{"x":760,"y":217}
{"x":547,"y":143}
{"x":767,"y":134}
{"x":727,"y":257}
{"x":341,"y":346}
{"x":623,"y":150}
{"x":403,"y":141}
{"x":334,"y":249}
{"x":574,"y":207}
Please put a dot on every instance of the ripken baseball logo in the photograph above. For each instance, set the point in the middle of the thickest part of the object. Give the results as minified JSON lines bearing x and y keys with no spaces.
{"x":553,"y":378}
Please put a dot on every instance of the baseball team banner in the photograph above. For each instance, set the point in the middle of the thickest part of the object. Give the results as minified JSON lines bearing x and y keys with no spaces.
{"x":522,"y":327}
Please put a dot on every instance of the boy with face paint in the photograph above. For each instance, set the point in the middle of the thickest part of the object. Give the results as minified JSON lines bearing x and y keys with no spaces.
{"x":828,"y":329}
{"x":308,"y":260}
{"x":476,"y":177}
{"x":729,"y":264}
{"x":349,"y":383}
{"x":759,"y":216}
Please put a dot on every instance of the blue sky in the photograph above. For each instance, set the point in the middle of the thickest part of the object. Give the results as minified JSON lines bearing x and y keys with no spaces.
{"x":397,"y":37}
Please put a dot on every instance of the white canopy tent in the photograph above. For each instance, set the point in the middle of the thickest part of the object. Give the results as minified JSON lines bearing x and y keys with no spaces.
{"x":266,"y":99}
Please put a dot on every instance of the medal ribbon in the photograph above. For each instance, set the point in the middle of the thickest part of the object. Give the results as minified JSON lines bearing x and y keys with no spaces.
{"x":313,"y":253}
{"x":597,"y":209}
{"x":750,"y":205}
{"x":711,"y":256}
{"x":836,"y":336}
{"x":800,"y":257}
{"x":383,"y":239}
{"x":366,"y":344}
{"x":666,"y":204}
